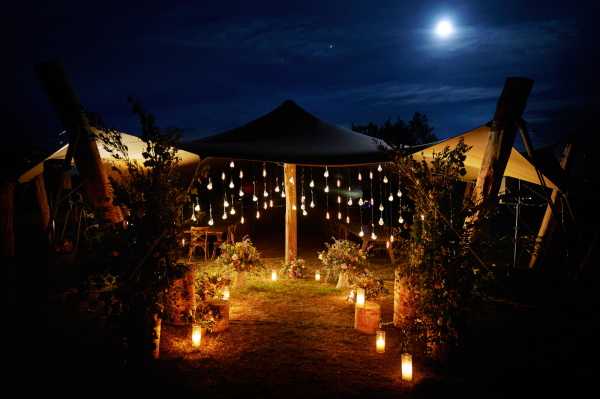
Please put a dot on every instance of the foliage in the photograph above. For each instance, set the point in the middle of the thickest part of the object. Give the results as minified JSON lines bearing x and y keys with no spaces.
{"x":240,"y":256}
{"x":416,"y":131}
{"x":442,"y":276}
{"x":210,"y":286}
{"x":294,"y":269}
{"x":372,"y":285}
{"x":343,"y":256}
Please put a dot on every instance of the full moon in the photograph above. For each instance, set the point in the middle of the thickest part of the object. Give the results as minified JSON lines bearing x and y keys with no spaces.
{"x":444,"y":29}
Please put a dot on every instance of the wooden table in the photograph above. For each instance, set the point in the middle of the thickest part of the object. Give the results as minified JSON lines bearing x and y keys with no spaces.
{"x":199,"y":238}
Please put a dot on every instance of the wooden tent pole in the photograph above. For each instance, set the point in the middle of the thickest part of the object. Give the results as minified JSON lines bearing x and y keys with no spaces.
{"x":547,"y":220}
{"x":7,"y":215}
{"x":509,"y":110}
{"x":42,"y":202}
{"x":291,"y":214}
{"x":82,"y":143}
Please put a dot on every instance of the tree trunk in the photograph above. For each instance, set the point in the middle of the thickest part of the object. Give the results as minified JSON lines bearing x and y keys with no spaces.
{"x":509,"y":110}
{"x":7,"y":215}
{"x":42,"y":202}
{"x":82,"y":144}
{"x":547,"y":221}
{"x":291,"y":214}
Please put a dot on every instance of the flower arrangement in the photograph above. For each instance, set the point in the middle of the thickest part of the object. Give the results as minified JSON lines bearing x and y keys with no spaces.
{"x":372,"y":285}
{"x":210,"y":286}
{"x":294,"y":269}
{"x":241,"y":256}
{"x":343,"y":256}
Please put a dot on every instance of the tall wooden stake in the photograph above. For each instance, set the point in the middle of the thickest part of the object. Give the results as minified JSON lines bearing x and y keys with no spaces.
{"x":547,"y":220}
{"x":509,"y":110}
{"x":291,"y":214}
{"x":82,"y":144}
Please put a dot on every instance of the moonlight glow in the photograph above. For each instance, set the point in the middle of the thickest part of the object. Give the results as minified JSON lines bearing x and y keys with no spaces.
{"x":444,"y":29}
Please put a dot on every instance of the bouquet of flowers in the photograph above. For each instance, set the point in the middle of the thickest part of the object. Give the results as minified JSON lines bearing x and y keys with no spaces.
{"x":343,"y":256}
{"x":241,"y":256}
{"x":210,"y":286}
{"x":294,"y":269}
{"x":372,"y":285}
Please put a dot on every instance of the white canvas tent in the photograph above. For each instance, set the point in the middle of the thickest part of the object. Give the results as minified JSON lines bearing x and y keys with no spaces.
{"x":517,"y":167}
{"x":135,"y":148}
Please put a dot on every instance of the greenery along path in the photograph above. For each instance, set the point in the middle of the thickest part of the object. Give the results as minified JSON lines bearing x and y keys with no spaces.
{"x":289,"y":338}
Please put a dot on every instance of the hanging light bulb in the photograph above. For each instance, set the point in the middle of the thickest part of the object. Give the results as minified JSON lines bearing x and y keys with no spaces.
{"x":391,"y":238}
{"x":231,"y":185}
{"x":380,"y":221}
{"x":194,"y":217}
{"x":302,"y":206}
{"x":360,"y":201}
{"x":282,"y":194}
{"x":361,"y":233}
{"x":311,"y":184}
{"x":370,"y":175}
{"x":387,"y":245}
{"x":399,"y":193}
{"x":327,"y":215}
{"x":265,"y":205}
{"x":339,"y":215}
{"x":379,"y":168}
{"x":254,"y":198}
{"x":385,"y":179}
{"x":422,"y":217}
{"x":381,"y":207}
{"x":265,"y":193}
{"x":222,"y":175}
{"x":359,"y":176}
{"x":303,"y":198}
{"x":312,"y":203}
{"x":277,"y":189}
{"x":326,"y":189}
{"x":257,"y":214}
{"x":242,"y":220}
{"x":264,"y":173}
{"x":271,"y":203}
{"x":373,"y":236}
{"x":348,"y":219}
{"x":241,"y":174}
{"x":225,"y":203}
{"x":224,"y":217}
{"x":209,"y":185}
{"x":372,"y":201}
{"x":197,"y":207}
{"x":338,"y":183}
{"x":326,"y":174}
{"x":231,"y":164}
{"x":401,"y":220}
{"x":241,"y":192}
{"x":304,"y":213}
{"x":391,"y":198}
{"x":349,"y":202}
{"x":339,"y":199}
{"x":232,"y":211}
{"x":211,"y":221}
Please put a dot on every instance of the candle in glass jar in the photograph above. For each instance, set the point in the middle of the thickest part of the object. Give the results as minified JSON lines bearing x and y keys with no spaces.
{"x":360,"y":297}
{"x":380,"y":341}
{"x":407,"y":367}
{"x":196,"y":335}
{"x":274,"y":275}
{"x":317,"y":276}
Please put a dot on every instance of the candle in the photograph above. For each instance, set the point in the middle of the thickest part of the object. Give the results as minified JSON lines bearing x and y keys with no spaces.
{"x":226,"y":293}
{"x":360,"y":297}
{"x":196,"y":335}
{"x":317,"y":276}
{"x":380,"y":341}
{"x":274,"y":275}
{"x":407,"y":367}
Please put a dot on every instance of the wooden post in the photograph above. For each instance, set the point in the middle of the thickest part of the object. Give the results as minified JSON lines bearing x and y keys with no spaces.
{"x":291,"y":214}
{"x":509,"y":110}
{"x":547,"y":220}
{"x":42,"y":201}
{"x":7,"y":217}
{"x":82,"y":144}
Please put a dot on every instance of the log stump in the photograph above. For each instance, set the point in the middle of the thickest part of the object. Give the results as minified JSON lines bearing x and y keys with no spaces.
{"x":181,"y":301}
{"x":367,"y":317}
{"x":220,"y":309}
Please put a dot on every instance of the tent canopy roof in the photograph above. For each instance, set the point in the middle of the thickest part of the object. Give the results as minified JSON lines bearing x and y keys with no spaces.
{"x":517,"y":167}
{"x":290,"y":134}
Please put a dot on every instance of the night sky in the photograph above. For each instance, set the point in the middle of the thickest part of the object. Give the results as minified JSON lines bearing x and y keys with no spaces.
{"x":210,"y":66}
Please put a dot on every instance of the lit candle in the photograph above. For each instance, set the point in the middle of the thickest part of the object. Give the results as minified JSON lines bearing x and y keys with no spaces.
{"x":196,"y":335}
{"x":407,"y":367}
{"x":274,"y":275}
{"x":226,"y":293}
{"x":360,"y":297}
{"x":317,"y":276}
{"x":380,"y":341}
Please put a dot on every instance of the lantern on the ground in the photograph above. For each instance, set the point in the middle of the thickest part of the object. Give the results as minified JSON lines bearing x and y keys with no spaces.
{"x":380,"y":341}
{"x":196,"y":335}
{"x":226,"y":293}
{"x":360,"y":297}
{"x":317,"y":276}
{"x":407,"y":367}
{"x":273,"y":275}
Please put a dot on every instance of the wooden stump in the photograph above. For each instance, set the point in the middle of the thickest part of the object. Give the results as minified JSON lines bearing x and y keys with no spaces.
{"x":221,"y":311}
{"x":181,"y":299}
{"x":367,"y":317}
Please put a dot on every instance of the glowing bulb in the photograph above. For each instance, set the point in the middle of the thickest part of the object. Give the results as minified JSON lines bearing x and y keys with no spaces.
{"x":273,"y":275}
{"x":196,"y":335}
{"x":391,"y":238}
{"x":311,"y":184}
{"x":327,"y":215}
{"x":312,"y":203}
{"x":391,"y":198}
{"x":223,"y":176}
{"x":232,"y":211}
{"x":381,"y":207}
{"x":271,"y":203}
{"x":370,"y":175}
{"x":349,"y":201}
{"x":387,"y":244}
{"x":326,"y":189}
{"x":326,"y":174}
{"x":242,"y":220}
{"x":231,"y":164}
{"x":254,"y":198}
{"x":225,"y":204}
{"x":264,"y":172}
{"x":348,"y":219}
{"x":224,"y":217}
{"x":265,"y":205}
{"x":241,"y":192}
{"x":339,"y":215}
{"x":209,"y":185}
{"x":338,"y":183}
{"x":317,"y":276}
{"x":194,"y":217}
{"x":380,"y":221}
{"x":339,"y":199}
{"x":231,"y":185}
{"x":372,"y":201}
{"x":304,"y":213}
{"x":359,"y":176}
{"x":183,"y":242}
{"x":283,"y":194}
{"x":276,"y":189}
{"x":302,"y":206}
{"x":197,"y":208}
{"x":360,"y":202}
{"x":241,"y":174}
{"x":265,"y":194}
{"x":211,"y":222}
{"x":444,"y":29}
{"x":361,"y":233}
{"x":385,"y":179}
{"x":379,"y":168}
{"x":373,"y":236}
{"x":399,"y":193}
{"x":422,"y":217}
{"x":257,"y":214}
{"x":401,"y":220}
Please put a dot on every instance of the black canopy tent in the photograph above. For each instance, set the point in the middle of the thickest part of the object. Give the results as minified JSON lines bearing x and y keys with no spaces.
{"x":292,"y":136}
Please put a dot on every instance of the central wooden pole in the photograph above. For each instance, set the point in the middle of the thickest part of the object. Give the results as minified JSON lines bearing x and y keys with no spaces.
{"x":291,"y":213}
